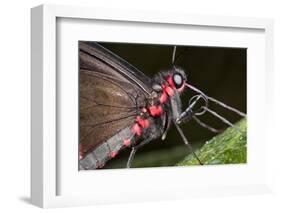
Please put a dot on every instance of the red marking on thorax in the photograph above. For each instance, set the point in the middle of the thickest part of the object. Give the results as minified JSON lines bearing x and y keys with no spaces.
{"x":163,"y":98}
{"x":169,"y":91}
{"x":154,"y":110}
{"x":171,"y":82}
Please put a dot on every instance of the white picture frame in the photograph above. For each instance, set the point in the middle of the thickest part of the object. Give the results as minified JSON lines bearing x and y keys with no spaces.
{"x":53,"y":184}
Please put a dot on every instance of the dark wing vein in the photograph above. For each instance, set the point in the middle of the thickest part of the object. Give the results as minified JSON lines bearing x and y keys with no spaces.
{"x":129,"y":109}
{"x":113,"y":81}
{"x":110,"y":121}
{"x":117,"y":63}
{"x":107,"y":122}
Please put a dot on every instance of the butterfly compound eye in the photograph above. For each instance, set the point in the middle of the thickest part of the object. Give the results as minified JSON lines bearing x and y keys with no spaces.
{"x":178,"y":80}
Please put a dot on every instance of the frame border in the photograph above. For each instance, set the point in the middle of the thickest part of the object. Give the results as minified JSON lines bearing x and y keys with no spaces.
{"x":43,"y":86}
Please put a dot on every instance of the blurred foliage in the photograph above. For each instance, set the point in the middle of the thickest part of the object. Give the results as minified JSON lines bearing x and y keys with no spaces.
{"x":229,"y":147}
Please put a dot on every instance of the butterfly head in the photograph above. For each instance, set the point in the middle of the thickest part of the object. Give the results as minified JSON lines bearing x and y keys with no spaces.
{"x":174,"y":79}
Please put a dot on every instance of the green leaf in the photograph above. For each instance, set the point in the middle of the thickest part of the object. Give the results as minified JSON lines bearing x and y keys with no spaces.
{"x":229,"y":147}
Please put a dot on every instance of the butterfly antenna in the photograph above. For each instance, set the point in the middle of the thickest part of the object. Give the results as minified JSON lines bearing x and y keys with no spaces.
{"x":242,"y":114}
{"x":187,"y":144}
{"x":222,"y":118}
{"x":216,"y":101}
{"x":174,"y":55}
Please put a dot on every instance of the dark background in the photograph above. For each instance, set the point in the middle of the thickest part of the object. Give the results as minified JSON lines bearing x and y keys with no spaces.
{"x":217,"y":71}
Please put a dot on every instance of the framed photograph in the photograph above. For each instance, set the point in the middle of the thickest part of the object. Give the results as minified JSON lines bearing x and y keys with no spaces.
{"x":149,"y":106}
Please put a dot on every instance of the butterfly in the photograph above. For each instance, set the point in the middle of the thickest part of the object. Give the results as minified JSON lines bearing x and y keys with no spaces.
{"x":122,"y":108}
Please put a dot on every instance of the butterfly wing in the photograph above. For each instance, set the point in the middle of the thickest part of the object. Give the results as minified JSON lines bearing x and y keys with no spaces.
{"x":111,"y":90}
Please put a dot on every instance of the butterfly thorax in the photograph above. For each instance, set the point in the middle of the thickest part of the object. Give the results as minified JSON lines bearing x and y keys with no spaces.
{"x":163,"y":104}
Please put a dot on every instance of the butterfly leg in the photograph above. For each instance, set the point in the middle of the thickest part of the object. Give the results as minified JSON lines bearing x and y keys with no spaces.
{"x":224,"y":120}
{"x":187,"y":115}
{"x":206,"y":126}
{"x":134,"y":150}
{"x":191,"y":113}
{"x":187,"y":143}
{"x":166,"y":126}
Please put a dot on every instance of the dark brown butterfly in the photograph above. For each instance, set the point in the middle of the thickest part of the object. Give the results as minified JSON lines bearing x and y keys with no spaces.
{"x":120,"y":107}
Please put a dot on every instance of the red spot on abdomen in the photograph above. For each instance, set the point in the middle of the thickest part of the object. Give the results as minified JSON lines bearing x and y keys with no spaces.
{"x":144,"y":123}
{"x":155,"y":110}
{"x":127,"y":142}
{"x":113,"y":154}
{"x":136,"y":129}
